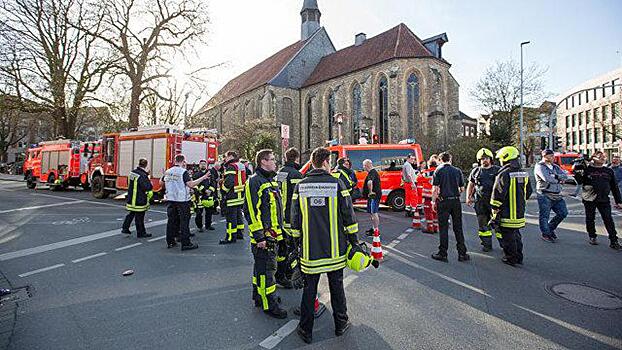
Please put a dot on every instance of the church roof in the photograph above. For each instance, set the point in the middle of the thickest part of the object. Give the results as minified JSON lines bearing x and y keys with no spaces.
{"x":255,"y":77}
{"x":397,"y":42}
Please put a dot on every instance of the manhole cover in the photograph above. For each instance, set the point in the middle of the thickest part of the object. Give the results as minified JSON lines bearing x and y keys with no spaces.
{"x":586,"y":295}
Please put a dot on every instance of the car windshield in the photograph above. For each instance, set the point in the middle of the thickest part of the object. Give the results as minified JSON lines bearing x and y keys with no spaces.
{"x":567,"y":160}
{"x":381,"y":158}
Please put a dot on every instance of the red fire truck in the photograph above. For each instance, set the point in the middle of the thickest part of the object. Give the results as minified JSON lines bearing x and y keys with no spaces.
{"x":387,"y":159}
{"x":120,"y":152}
{"x":59,"y":164}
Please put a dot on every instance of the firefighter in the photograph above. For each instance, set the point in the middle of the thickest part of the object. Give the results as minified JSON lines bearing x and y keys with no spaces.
{"x":323,"y":217}
{"x":409,"y":184}
{"x":509,"y":200}
{"x":204,"y":197}
{"x":233,"y":197}
{"x":479,"y":191}
{"x":345,"y":174}
{"x":265,"y":216}
{"x":139,"y":193}
{"x":424,"y":180}
{"x":288,"y":176}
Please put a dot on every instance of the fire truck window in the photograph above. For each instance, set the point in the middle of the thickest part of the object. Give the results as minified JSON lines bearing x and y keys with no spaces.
{"x":110,"y":150}
{"x":380,"y":158}
{"x":333,"y":159}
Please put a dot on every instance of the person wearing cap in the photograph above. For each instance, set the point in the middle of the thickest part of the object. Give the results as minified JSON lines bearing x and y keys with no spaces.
{"x":410,"y":184}
{"x":479,"y":191}
{"x":549,"y":180}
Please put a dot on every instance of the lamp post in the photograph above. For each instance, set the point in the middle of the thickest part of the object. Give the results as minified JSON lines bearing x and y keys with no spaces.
{"x":522,"y":136}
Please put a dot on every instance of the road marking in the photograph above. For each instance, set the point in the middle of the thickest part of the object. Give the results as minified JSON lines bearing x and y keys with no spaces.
{"x":94,"y":202}
{"x":402,"y":236}
{"x":223,"y":220}
{"x":279,"y":335}
{"x":409,"y":230}
{"x":393,"y":243}
{"x":89,"y":257}
{"x":482,"y":255}
{"x":69,"y":242}
{"x":156,"y":239}
{"x":40,"y":206}
{"x":613,"y":342}
{"x":438,"y":274}
{"x":127,"y":247}
{"x":41,"y":270}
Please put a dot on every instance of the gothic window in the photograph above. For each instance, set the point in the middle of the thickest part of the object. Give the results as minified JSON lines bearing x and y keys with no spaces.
{"x":331,"y":113}
{"x":272,"y":104}
{"x":309,"y":120}
{"x":383,"y":113}
{"x":287,"y":111}
{"x":412,"y":86}
{"x":357,"y":112}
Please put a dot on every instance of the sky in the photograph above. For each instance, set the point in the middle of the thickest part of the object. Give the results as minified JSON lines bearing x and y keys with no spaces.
{"x":576,"y":40}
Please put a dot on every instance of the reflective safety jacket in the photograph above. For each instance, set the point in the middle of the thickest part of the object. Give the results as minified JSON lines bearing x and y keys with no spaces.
{"x":346,"y":175}
{"x":323,"y":216}
{"x":263,"y":207}
{"x":424,"y":183}
{"x":233,"y":183}
{"x":139,"y":190}
{"x":509,"y":194}
{"x":200,"y":192}
{"x":288,"y":177}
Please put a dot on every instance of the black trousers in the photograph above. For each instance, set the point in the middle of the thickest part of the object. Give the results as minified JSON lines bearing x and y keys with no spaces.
{"x":281,"y":260}
{"x":139,"y":218}
{"x":604,"y":208}
{"x":337,"y":300}
{"x":178,"y":221}
{"x":453,"y":208}
{"x":198,"y":219}
{"x":231,"y":215}
{"x":264,"y":283}
{"x":483,"y":210}
{"x":512,"y":244}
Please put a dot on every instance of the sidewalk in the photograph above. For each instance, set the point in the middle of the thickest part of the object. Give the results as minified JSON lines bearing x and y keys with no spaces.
{"x":8,"y":311}
{"x":7,"y":177}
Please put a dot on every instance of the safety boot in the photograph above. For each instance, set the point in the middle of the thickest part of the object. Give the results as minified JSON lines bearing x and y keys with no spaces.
{"x":276,"y":312}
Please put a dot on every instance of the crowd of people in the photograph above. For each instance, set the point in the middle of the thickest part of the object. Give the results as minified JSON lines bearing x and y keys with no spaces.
{"x":303,"y":225}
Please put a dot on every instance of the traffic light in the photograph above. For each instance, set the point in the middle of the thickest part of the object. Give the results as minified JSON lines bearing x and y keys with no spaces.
{"x":557,"y":144}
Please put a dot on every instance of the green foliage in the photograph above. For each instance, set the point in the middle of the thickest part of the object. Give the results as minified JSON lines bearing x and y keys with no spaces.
{"x":251,"y":137}
{"x":465,"y":149}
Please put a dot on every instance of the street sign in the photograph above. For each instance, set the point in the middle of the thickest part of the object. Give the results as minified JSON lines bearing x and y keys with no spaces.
{"x":284,"y":131}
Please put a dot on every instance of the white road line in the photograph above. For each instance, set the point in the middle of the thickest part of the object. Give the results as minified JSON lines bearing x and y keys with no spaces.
{"x":41,"y":270}
{"x":402,"y":236}
{"x":409,"y":230}
{"x":94,"y":202}
{"x":447,"y":278}
{"x":88,"y":257}
{"x":223,"y":220}
{"x":482,"y":255}
{"x":279,"y":335}
{"x":156,"y":239}
{"x":69,"y":242}
{"x":393,"y":243}
{"x":127,"y":247}
{"x":40,"y":206}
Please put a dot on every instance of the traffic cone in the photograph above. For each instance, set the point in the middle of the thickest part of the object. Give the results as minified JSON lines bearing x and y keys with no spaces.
{"x":376,"y":248}
{"x":319,"y":308}
{"x":416,"y":219}
{"x":436,"y":227}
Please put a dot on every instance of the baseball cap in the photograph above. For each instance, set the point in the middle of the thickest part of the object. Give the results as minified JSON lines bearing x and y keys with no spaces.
{"x":547,"y":152}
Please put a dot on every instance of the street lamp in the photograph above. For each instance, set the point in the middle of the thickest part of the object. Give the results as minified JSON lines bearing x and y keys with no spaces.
{"x":522,"y":136}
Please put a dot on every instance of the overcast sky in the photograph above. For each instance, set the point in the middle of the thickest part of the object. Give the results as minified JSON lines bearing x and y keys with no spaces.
{"x":575,"y":39}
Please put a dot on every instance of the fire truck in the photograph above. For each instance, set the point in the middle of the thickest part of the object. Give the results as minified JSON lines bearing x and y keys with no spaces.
{"x":58,"y":164}
{"x":387,"y":159}
{"x":120,"y":152}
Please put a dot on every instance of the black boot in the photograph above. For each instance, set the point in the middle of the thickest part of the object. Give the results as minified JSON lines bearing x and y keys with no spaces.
{"x":306,"y":337}
{"x":440,"y":257}
{"x":276,"y":312}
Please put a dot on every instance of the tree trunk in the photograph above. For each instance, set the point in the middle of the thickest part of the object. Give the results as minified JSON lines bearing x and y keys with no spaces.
{"x":135,"y":106}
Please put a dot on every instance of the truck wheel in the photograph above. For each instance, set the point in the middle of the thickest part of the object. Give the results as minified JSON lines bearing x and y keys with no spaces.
{"x":98,"y":188}
{"x":31,"y":182}
{"x":397,"y":200}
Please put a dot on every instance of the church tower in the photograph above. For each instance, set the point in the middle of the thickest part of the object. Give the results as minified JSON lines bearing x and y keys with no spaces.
{"x":310,"y":14}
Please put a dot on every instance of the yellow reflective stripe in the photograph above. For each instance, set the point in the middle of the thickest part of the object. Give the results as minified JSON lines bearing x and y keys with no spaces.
{"x":234,"y":202}
{"x":513,"y":221}
{"x":284,"y":196}
{"x":280,"y":258}
{"x":322,"y":262}
{"x":295,"y":196}
{"x":305,"y":227}
{"x":513,"y":198}
{"x":347,"y":177}
{"x":354,"y":228}
{"x":261,"y":290}
{"x":317,"y":270}
{"x":253,"y":225}
{"x":485,"y":233}
{"x":334,"y":238}
{"x":230,"y":172}
{"x":274,"y":219}
{"x":254,"y":280}
{"x":294,"y":233}
{"x":345,"y":193}
{"x":495,"y":203}
{"x":271,"y":289}
{"x":135,"y":191}
{"x":498,"y":234}
{"x":295,"y":181}
{"x":240,"y":184}
{"x":525,"y":190}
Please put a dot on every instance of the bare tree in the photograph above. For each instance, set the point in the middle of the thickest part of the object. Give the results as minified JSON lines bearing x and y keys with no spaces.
{"x":146,"y":35}
{"x":53,"y":63}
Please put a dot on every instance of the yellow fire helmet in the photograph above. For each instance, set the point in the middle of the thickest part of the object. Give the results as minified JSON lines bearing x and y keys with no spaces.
{"x":507,"y":154}
{"x":484,"y":152}
{"x":358,"y":260}
{"x":208,"y":203}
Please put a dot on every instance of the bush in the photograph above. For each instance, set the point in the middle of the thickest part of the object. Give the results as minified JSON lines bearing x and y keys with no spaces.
{"x":464,"y":151}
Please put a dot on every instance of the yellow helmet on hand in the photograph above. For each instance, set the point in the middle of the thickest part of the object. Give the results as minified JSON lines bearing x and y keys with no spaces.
{"x":507,"y":154}
{"x":484,"y":152}
{"x":357,"y":259}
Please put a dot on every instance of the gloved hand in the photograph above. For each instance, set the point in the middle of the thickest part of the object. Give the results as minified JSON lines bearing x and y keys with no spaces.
{"x":372,"y":195}
{"x":298,"y":281}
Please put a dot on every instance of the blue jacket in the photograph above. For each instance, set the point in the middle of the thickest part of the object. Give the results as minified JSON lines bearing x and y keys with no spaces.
{"x":617,"y":171}
{"x":549,"y":180}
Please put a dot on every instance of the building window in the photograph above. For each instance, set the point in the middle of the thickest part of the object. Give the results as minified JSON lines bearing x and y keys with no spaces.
{"x":567,"y":139}
{"x":581,"y":136}
{"x":357,"y":113}
{"x":572,"y":104}
{"x":580,"y":118}
{"x":606,"y":137}
{"x":589,"y":137}
{"x":596,"y":115}
{"x":605,"y":113}
{"x":579,"y":99}
{"x":309,"y":121}
{"x":383,"y":113}
{"x":288,"y":112}
{"x":613,"y":86}
{"x":413,"y":104}
{"x":594,"y":95}
{"x":615,"y":111}
{"x":566,"y":100}
{"x":588,"y":117}
{"x":574,"y":138}
{"x":603,"y":88}
{"x":587,"y":96}
{"x":272,"y":104}
{"x":574,"y":120}
{"x":331,"y":113}
{"x":596,"y":135}
{"x":567,"y":121}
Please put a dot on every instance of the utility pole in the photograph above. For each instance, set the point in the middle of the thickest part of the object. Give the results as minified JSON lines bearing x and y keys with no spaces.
{"x":522,"y":134}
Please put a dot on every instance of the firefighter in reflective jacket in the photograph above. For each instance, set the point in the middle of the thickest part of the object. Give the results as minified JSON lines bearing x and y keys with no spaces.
{"x":479,"y":191}
{"x":288,"y":177}
{"x":265,"y":218}
{"x":139,"y":193}
{"x":203,"y":197}
{"x":323,"y":217}
{"x":424,"y":179}
{"x":345,"y":174}
{"x":509,"y":199}
{"x":233,"y":197}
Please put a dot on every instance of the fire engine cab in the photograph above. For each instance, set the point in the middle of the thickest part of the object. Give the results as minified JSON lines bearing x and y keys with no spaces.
{"x":120,"y":152}
{"x":387,"y":159}
{"x":58,"y":164}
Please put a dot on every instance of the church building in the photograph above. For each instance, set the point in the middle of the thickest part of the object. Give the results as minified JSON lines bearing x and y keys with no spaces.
{"x":391,"y":87}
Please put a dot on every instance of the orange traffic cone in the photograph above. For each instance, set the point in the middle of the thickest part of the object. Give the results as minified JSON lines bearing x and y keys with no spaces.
{"x":376,"y":248}
{"x":319,"y":308}
{"x":416,"y":219}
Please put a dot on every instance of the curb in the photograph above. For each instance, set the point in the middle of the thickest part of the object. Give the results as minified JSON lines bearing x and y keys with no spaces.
{"x":8,"y":313}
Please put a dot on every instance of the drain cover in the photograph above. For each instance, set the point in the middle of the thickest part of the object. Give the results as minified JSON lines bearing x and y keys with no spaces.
{"x":588,"y":296}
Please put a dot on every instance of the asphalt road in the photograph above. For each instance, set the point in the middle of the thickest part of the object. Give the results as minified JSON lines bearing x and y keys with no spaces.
{"x":67,"y":246}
